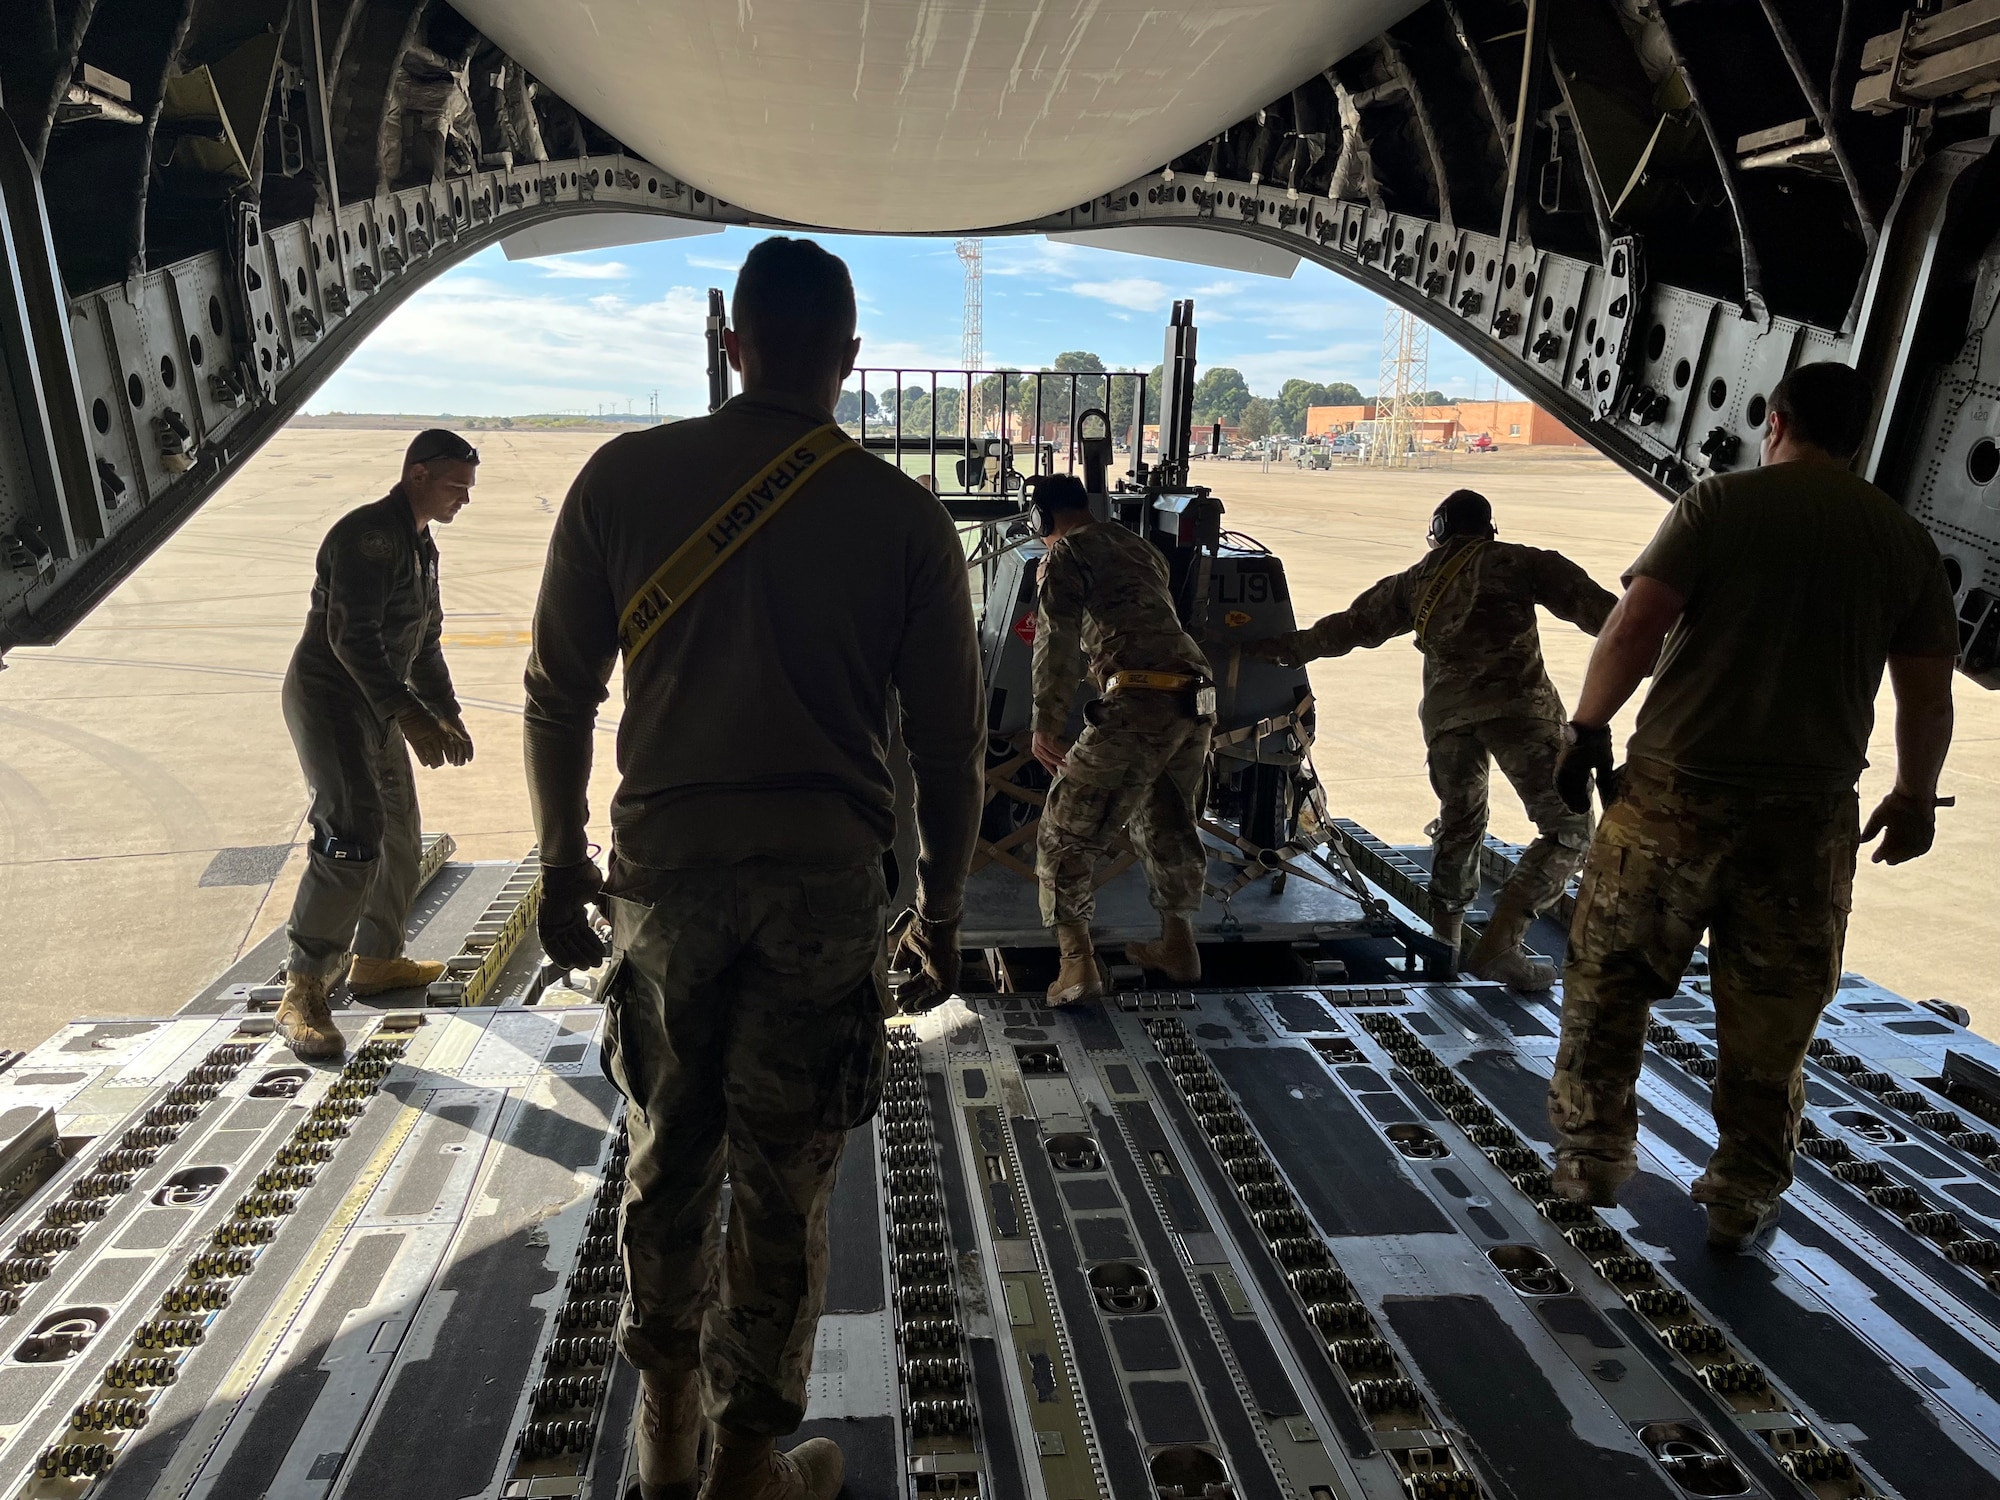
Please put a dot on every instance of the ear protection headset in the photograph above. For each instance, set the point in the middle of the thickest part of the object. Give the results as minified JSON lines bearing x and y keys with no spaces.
{"x":1041,"y":514}
{"x":1040,"y":517}
{"x":1462,"y":511}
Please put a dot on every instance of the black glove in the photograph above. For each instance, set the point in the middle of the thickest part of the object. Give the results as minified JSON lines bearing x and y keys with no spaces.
{"x":564,"y":919}
{"x":430,"y":740}
{"x":1586,"y":750}
{"x":458,"y":751}
{"x":1908,"y":824}
{"x":926,"y":948}
{"x":1279,"y":650}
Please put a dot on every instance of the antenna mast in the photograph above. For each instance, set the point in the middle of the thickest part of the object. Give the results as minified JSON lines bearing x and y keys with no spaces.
{"x":972,"y":343}
{"x":1399,"y":390}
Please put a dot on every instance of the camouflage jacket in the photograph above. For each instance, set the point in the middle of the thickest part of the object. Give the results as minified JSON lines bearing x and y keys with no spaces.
{"x":374,"y":629}
{"x":1105,"y":595}
{"x":1482,"y":651}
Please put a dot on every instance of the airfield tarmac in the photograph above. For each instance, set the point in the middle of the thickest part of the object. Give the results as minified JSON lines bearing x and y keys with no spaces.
{"x":151,"y":808}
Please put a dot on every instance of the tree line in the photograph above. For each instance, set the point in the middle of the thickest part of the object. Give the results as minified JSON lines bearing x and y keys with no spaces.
{"x":1221,"y":395}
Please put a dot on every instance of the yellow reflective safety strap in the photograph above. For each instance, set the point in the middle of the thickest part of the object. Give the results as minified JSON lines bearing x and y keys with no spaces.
{"x":1164,"y":682}
{"x":1428,"y":605}
{"x":723,"y":534}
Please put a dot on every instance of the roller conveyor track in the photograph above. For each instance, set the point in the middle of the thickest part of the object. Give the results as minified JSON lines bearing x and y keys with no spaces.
{"x":1254,"y":1243}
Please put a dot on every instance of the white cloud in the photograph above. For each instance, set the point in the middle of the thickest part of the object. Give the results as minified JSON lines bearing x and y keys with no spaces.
{"x":570,"y":268}
{"x":571,"y":332}
{"x":1133,"y":293}
{"x":1139,"y":285}
{"x":471,"y":344}
{"x":878,"y":351}
{"x":1265,"y":371}
{"x":1034,"y":256}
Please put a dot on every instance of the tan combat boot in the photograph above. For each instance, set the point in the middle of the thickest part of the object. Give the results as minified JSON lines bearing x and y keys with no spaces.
{"x":1078,"y":979}
{"x":375,"y":976}
{"x":306,"y":1021}
{"x":1174,"y":955}
{"x":1734,"y":1228}
{"x":1448,"y":927}
{"x":1590,"y":1179}
{"x":666,"y":1437}
{"x":751,"y":1468}
{"x":1498,"y":956}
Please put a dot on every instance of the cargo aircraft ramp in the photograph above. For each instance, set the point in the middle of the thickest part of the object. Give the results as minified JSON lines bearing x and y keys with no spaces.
{"x":1243,"y":1241}
{"x":1285,"y":1236}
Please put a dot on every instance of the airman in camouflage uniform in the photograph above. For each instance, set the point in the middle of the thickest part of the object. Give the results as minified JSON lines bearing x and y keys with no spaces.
{"x":1765,"y":608}
{"x":1487,"y":697}
{"x":743,"y":1040}
{"x":1772,"y":874}
{"x":745,"y":1008}
{"x":1105,"y":597}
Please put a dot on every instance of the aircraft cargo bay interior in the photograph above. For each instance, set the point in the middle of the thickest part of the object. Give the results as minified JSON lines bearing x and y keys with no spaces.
{"x":1000,"y":972}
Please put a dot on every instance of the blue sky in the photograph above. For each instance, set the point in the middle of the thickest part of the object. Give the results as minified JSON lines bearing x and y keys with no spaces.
{"x":568,"y":333}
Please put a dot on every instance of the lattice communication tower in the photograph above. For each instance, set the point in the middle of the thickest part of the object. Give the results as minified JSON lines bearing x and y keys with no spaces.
{"x":972,"y":255}
{"x":1399,"y":391}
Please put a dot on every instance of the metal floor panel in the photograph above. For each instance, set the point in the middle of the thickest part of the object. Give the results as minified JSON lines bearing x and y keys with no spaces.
{"x":1234,"y":1242}
{"x":1003,"y":909}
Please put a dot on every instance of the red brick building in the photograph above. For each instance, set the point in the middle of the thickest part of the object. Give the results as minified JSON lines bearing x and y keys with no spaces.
{"x":1519,"y":423}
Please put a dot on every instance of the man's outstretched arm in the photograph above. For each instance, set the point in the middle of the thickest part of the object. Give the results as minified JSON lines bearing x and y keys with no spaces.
{"x":1569,"y":593}
{"x":1380,"y":613}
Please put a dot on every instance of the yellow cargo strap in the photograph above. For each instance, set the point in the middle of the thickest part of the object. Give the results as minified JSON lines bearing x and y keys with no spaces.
{"x":723,"y":534}
{"x":1163,"y":682}
{"x":1427,"y":606}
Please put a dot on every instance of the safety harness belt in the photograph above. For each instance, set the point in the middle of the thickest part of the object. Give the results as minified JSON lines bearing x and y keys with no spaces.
{"x":723,"y":534}
{"x":1427,"y":606}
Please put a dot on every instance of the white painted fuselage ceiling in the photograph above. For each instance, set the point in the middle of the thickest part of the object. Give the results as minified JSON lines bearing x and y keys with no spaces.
{"x":915,"y":115}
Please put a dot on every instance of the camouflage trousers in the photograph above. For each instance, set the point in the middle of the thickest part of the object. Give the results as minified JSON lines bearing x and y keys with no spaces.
{"x":1770,"y":876}
{"x":1140,"y":765}
{"x":1460,"y":762}
{"x":745,"y":1031}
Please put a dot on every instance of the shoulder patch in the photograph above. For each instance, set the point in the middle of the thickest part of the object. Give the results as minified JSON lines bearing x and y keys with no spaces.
{"x":376,"y":546}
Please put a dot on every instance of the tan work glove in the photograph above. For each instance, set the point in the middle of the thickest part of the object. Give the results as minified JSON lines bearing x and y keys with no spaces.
{"x":430,"y":741}
{"x":925,"y":948}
